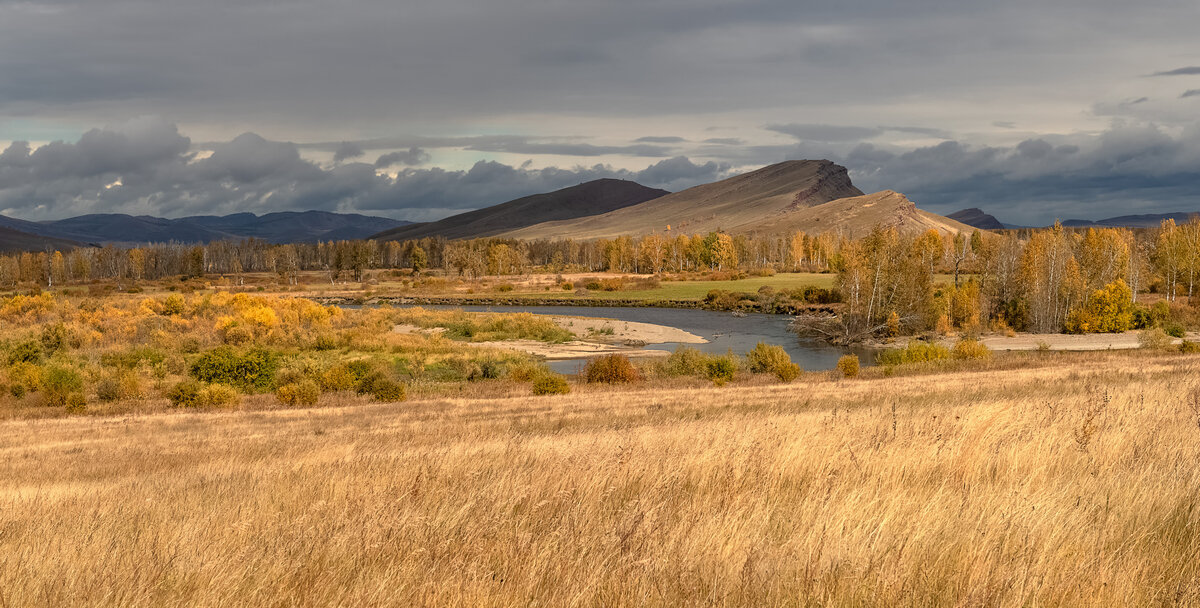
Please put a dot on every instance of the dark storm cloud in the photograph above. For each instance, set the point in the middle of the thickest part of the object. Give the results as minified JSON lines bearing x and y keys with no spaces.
{"x":146,"y":166}
{"x":347,"y":150}
{"x":1188,"y":71}
{"x":411,"y":157}
{"x":1127,"y":169}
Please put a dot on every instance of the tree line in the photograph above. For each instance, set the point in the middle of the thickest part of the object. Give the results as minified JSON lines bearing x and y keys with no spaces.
{"x":1041,"y":279}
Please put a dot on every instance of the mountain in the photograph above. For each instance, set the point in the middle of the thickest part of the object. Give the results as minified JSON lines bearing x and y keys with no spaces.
{"x":1150,"y":220}
{"x":284,"y":227}
{"x":15,"y":240}
{"x":586,"y":199}
{"x":976,"y":218}
{"x":736,"y":204}
{"x":807,"y":195}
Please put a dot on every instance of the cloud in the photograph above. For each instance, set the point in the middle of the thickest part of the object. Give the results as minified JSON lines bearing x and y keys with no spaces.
{"x":1129,"y":168}
{"x":1187,"y":71}
{"x":347,"y":150}
{"x":411,"y":157}
{"x":1190,"y":93}
{"x":651,"y":139}
{"x":518,"y":145}
{"x":724,"y":141}
{"x":159,"y":174}
{"x":826,"y":133}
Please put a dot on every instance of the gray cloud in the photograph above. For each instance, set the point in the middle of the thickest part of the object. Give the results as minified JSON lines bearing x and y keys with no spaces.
{"x":1187,"y":71}
{"x":411,"y":157}
{"x":653,"y":139}
{"x":1190,"y":93}
{"x":147,"y":166}
{"x":347,"y":150}
{"x":826,"y":133}
{"x":725,"y":141}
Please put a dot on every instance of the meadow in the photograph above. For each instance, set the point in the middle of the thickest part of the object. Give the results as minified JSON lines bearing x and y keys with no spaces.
{"x":1068,"y":481}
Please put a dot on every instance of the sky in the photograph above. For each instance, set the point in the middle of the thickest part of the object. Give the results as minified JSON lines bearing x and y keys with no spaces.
{"x":1032,"y":111}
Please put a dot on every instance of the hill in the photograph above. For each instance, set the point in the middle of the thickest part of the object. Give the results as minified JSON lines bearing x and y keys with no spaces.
{"x":285,"y":227}
{"x":1149,"y":220}
{"x":15,"y":240}
{"x":789,"y":196}
{"x":977,"y":218}
{"x":586,"y":199}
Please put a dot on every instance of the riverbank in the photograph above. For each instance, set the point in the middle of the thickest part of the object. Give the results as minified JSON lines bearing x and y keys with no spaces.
{"x":589,"y":301}
{"x":598,"y":336}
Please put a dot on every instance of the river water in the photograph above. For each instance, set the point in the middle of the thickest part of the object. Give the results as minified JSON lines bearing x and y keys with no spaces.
{"x":723,"y":331}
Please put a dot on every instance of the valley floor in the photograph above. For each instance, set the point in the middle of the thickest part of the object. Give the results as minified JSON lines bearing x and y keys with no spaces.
{"x":1072,"y":482}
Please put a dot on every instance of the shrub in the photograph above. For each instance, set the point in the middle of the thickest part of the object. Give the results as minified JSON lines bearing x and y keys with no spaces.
{"x":185,"y":394}
{"x":29,"y":351}
{"x":505,"y":287}
{"x":251,"y":370}
{"x":54,"y":337}
{"x":611,"y":369}
{"x":568,"y":286}
{"x":915,"y":352}
{"x":26,"y":376}
{"x":339,"y":378}
{"x":527,"y":371}
{"x":551,"y":384}
{"x":770,"y":358}
{"x":124,"y":385}
{"x":970,"y":349}
{"x":1154,"y":339}
{"x":1189,"y":347}
{"x":237,"y":335}
{"x":720,"y":369}
{"x":848,"y":365}
{"x":218,"y":395}
{"x":302,"y":392}
{"x":1107,"y":310}
{"x":381,"y":387}
{"x":62,"y":386}
{"x":685,"y":361}
{"x":171,"y":306}
{"x":324,"y":342}
{"x":1175,"y":330}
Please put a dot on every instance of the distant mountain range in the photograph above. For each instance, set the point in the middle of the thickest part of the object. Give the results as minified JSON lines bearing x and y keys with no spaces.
{"x":283,"y":227}
{"x":807,"y":195}
{"x":586,"y":199}
{"x":979,"y":219}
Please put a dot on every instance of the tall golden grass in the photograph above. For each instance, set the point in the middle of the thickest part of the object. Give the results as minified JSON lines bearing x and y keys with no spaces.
{"x":1075,"y":483}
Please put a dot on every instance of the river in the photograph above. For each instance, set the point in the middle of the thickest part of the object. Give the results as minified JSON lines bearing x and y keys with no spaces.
{"x":723,"y":331}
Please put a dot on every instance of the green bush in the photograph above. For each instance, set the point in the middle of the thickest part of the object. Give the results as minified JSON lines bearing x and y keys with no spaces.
{"x":720,"y":369}
{"x":970,"y":349}
{"x":381,"y":387}
{"x":54,"y":337}
{"x":62,"y":386}
{"x":915,"y":352}
{"x":1189,"y":347}
{"x":185,"y":394}
{"x":302,"y":392}
{"x":848,"y":365}
{"x":772,"y":359}
{"x":253,"y":370}
{"x":1175,"y":330}
{"x":685,"y":361}
{"x":551,"y":384}
{"x":611,"y":369}
{"x":29,"y":351}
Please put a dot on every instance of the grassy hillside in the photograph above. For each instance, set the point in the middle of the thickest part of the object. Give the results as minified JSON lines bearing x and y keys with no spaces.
{"x":1072,"y":483}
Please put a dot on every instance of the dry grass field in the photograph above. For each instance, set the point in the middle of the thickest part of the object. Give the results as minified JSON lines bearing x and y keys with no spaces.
{"x":1073,"y":482}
